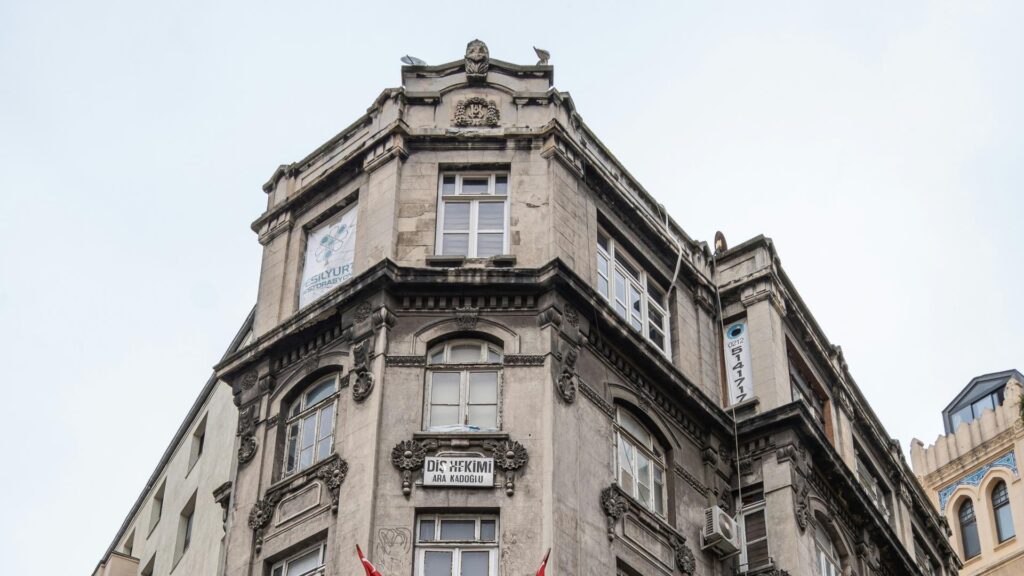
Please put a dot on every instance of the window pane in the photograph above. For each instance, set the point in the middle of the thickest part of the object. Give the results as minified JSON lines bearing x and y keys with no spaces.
{"x":308,"y":431}
{"x":491,"y":216}
{"x":620,"y":286}
{"x":656,"y":337}
{"x":305,"y":457}
{"x":1004,"y":523}
{"x":483,"y":416}
{"x":456,"y":216}
{"x":602,"y":241}
{"x":323,"y":448}
{"x":493,"y":355}
{"x":326,"y":421}
{"x":488,"y":245}
{"x":475,"y":563}
{"x":626,"y":467}
{"x":969,"y":532}
{"x":655,"y":317}
{"x":458,"y":529}
{"x":629,"y":268}
{"x":455,"y":244}
{"x":602,"y":286}
{"x":465,"y":353}
{"x":437,"y":357}
{"x":437,"y":563}
{"x":501,"y":185}
{"x":483,"y":387}
{"x":321,"y":391}
{"x":635,"y":428}
{"x":602,"y":265}
{"x":293,"y":438}
{"x":426,"y":530}
{"x":659,"y":490}
{"x":488,"y":531}
{"x":444,"y":416}
{"x":448,"y":185}
{"x":981,"y":405}
{"x":277,"y":571}
{"x":474,"y":185}
{"x":304,"y":563}
{"x":444,"y":388}
{"x":961,"y":416}
{"x":755,"y":525}
{"x":655,"y":293}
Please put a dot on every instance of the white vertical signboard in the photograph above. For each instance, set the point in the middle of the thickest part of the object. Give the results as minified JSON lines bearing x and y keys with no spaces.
{"x":330,"y":249}
{"x":737,"y":363}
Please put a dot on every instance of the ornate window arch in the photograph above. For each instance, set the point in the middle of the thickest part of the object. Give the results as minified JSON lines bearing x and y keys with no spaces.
{"x":309,"y":420}
{"x":968,"y":529}
{"x":1001,"y":512}
{"x":826,"y":554}
{"x":640,"y":461}
{"x":462,"y":392}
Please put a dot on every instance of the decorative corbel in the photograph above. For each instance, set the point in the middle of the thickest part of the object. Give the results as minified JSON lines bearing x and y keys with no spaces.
{"x":361,"y":356}
{"x":509,"y":456}
{"x":685,"y":560}
{"x":407,"y":456}
{"x":260,"y":515}
{"x":565,"y":378}
{"x":613,"y":502}
{"x":333,"y":475}
{"x":247,"y":445}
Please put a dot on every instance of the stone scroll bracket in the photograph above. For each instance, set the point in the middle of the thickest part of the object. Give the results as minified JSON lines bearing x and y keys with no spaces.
{"x":564,"y":370}
{"x":247,"y":444}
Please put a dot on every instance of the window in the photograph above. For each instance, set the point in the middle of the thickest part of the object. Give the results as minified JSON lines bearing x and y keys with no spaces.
{"x":755,"y":533}
{"x":129,"y":544}
{"x":828,"y":558}
{"x":1002,"y":513}
{"x":185,"y":528}
{"x":198,"y":440}
{"x":456,"y":545}
{"x":473,"y":215}
{"x":308,"y":562}
{"x":310,"y":426}
{"x":641,"y":463}
{"x":148,"y":569}
{"x":802,"y":392}
{"x":632,"y":293}
{"x":157,"y":507}
{"x":974,"y":410}
{"x":969,"y":530}
{"x":462,"y":387}
{"x":925,"y":561}
{"x":869,"y":480}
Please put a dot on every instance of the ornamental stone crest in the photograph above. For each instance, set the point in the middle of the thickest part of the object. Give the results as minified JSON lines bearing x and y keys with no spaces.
{"x":333,"y":475}
{"x":260,"y":515}
{"x":408,"y":455}
{"x":478,"y":60}
{"x":247,"y":449}
{"x":509,"y":456}
{"x":565,"y":381}
{"x":363,"y":385}
{"x":685,"y":560}
{"x":477,"y":111}
{"x":614,"y":505}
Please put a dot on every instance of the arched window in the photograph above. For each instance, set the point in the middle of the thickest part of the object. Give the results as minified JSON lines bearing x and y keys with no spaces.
{"x":828,"y":558}
{"x":969,"y":530}
{"x":641,"y":463}
{"x":462,"y":387}
{"x":1001,"y":512}
{"x":310,"y":425}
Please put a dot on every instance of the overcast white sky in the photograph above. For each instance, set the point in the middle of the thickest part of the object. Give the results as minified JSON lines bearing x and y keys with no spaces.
{"x":880,"y":145}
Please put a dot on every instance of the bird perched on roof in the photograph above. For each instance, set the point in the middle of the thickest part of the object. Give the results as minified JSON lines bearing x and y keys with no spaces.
{"x":544,"y":56}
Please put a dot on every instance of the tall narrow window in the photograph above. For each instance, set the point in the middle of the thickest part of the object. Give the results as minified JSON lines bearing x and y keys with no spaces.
{"x":1002,"y":513}
{"x":157,"y":508}
{"x":129,"y":544}
{"x":828,"y":559}
{"x":185,"y":523}
{"x":969,"y":530}
{"x":755,"y":532}
{"x":310,"y":426}
{"x":802,"y":392}
{"x":473,"y":215}
{"x":641,"y":463}
{"x":198,"y":442}
{"x":462,"y":387}
{"x":457,"y":545}
{"x":869,"y":481}
{"x":309,"y":562}
{"x":633,"y":294}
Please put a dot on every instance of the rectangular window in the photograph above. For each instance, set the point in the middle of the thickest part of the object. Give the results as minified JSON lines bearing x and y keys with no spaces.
{"x":147,"y":570}
{"x":198,"y":440}
{"x":157,"y":508}
{"x":129,"y":544}
{"x":632,"y":293}
{"x":456,"y":545}
{"x":802,"y":392}
{"x":869,"y":480}
{"x":472,"y":215}
{"x":185,"y":528}
{"x":308,"y":562}
{"x":755,"y":533}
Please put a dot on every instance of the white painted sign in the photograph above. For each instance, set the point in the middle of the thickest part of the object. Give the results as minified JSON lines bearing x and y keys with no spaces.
{"x":737,"y":363}
{"x":330,"y":249}
{"x":458,"y":471}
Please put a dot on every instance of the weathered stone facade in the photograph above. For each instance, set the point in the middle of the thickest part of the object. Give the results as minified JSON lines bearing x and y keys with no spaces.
{"x":599,"y":317}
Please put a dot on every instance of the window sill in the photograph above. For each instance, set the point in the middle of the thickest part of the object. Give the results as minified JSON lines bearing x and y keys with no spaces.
{"x":1009,"y":541}
{"x":459,"y":434}
{"x":442,"y":261}
{"x":178,"y":559}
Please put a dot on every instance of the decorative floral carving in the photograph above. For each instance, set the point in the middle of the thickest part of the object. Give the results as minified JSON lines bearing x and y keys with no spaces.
{"x":247,"y":449}
{"x":685,"y":560}
{"x":524,"y":360}
{"x":408,"y":455}
{"x":363,"y":385}
{"x":362,"y":312}
{"x":566,"y":380}
{"x":509,"y":456}
{"x":333,"y":475}
{"x":260,"y":515}
{"x":466,"y":318}
{"x":392,"y":360}
{"x":249,"y":380}
{"x":477,"y":111}
{"x":614,"y":505}
{"x":478,"y":60}
{"x":801,"y":501}
{"x":572,"y":316}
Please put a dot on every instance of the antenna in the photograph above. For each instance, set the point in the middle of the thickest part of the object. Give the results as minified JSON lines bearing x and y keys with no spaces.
{"x":412,"y":61}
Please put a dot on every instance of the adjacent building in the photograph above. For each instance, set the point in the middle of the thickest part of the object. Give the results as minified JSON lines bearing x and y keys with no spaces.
{"x":971,"y":474}
{"x":477,"y":337}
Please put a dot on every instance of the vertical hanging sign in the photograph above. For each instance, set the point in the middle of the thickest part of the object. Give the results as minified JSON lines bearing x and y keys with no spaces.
{"x":737,"y":363}
{"x":330,"y":249}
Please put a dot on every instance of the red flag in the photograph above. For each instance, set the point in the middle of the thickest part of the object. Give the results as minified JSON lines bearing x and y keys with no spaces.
{"x":370,"y":570}
{"x":544,"y":563}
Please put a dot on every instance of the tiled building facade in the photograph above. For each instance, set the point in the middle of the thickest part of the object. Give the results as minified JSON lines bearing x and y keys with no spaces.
{"x":477,"y":337}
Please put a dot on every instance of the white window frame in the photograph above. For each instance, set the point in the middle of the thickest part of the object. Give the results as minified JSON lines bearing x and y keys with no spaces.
{"x":464,"y":369}
{"x":282,"y":565}
{"x":756,"y":507}
{"x":827,"y":560}
{"x":651,"y":453}
{"x":474,"y":201}
{"x":456,"y":547}
{"x":296,"y":421}
{"x":618,"y":263}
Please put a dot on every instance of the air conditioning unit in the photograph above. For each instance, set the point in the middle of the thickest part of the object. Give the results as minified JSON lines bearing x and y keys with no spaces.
{"x":719,"y":532}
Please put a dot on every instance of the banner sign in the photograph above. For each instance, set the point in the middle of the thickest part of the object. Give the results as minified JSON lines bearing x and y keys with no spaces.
{"x":330,"y":249}
{"x":737,"y":363}
{"x":458,"y":471}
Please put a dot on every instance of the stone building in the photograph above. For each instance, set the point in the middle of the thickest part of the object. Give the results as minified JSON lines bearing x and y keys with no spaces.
{"x":971,"y":474}
{"x":478,"y":337}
